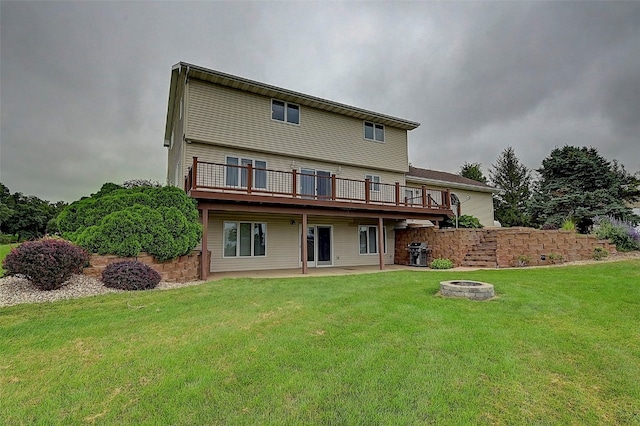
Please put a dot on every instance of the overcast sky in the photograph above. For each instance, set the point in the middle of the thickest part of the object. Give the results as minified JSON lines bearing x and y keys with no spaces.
{"x":84,"y":85}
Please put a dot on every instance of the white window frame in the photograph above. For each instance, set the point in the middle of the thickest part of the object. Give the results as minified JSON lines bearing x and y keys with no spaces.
{"x":373,"y":126}
{"x":384,"y":239}
{"x":237,"y":254}
{"x":238,"y":169}
{"x":375,"y":182}
{"x":286,"y":112}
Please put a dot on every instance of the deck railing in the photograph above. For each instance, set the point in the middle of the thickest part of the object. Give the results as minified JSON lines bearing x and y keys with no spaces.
{"x":247,"y":179}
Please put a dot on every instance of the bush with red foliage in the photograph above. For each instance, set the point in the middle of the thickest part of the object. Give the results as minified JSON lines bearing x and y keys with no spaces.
{"x":130,"y":275}
{"x":47,"y":263}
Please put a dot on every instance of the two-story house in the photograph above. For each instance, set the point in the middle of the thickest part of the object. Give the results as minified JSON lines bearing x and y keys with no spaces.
{"x":288,"y":180}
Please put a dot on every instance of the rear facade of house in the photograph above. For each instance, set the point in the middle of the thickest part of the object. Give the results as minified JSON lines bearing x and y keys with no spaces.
{"x":287,"y":180}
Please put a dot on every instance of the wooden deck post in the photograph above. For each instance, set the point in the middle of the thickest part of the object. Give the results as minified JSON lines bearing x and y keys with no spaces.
{"x":424,"y":197}
{"x":294,"y":183}
{"x":381,"y":242}
{"x":397,"y":193}
{"x":249,"y":178}
{"x":333,"y":186}
{"x":205,"y":266}
{"x":194,"y":176}
{"x":367,"y":191}
{"x":303,"y":243}
{"x":447,"y":199}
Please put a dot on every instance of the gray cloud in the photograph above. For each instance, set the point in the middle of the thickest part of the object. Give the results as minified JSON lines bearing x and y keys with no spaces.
{"x":84,"y":85}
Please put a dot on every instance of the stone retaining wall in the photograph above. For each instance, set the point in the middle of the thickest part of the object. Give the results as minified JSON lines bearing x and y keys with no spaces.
{"x":512,"y":243}
{"x":444,"y":243}
{"x":181,"y":269}
{"x":516,"y":242}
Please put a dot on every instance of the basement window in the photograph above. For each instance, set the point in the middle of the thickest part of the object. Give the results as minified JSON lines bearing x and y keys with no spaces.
{"x":245,"y":239}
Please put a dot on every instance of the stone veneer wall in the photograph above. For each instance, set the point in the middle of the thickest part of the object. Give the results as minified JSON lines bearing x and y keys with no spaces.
{"x":454,"y":244}
{"x":181,"y":269}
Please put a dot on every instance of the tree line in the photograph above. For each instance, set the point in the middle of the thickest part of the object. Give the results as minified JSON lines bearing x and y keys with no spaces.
{"x":26,"y":217}
{"x":574,"y":185}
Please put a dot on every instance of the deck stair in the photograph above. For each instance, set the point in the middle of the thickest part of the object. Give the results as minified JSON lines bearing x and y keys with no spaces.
{"x":483,"y":254}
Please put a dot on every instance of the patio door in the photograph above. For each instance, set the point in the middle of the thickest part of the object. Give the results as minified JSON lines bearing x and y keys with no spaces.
{"x":319,"y":246}
{"x":315,"y":183}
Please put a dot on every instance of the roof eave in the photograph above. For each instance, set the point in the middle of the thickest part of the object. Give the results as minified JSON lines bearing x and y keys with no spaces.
{"x":296,"y":97}
{"x":448,"y":184}
{"x":175,"y":73}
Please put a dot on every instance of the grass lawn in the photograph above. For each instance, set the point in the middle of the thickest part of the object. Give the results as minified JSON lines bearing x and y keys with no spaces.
{"x":558,"y":346}
{"x":4,"y":249}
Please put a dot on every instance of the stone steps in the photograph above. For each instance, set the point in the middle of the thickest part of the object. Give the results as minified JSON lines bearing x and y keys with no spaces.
{"x":482,"y":255}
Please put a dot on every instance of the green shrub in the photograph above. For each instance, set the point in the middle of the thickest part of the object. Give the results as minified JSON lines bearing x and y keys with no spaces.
{"x":622,"y":234}
{"x":524,"y":260}
{"x":162,"y":221}
{"x":600,"y":253}
{"x":441,"y":263}
{"x":568,"y":225}
{"x":8,"y":238}
{"x":468,"y":221}
{"x":464,"y":221}
{"x":556,"y":258}
{"x":46,"y":263}
{"x":130,"y":275}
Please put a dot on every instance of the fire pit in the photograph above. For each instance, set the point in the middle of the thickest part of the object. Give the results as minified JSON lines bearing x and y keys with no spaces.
{"x":475,"y":290}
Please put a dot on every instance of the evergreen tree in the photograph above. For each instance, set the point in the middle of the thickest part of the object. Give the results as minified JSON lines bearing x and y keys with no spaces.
{"x":473,"y":171}
{"x":514,"y":181}
{"x":579,"y":184}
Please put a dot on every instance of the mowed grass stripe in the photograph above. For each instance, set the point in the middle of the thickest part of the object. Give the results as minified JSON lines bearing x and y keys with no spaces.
{"x":557,"y":346}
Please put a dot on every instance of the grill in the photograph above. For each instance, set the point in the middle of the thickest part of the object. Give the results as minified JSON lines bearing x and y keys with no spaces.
{"x":418,"y":254}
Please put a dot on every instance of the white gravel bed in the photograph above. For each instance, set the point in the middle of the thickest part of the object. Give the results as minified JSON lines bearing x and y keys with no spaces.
{"x":14,"y":290}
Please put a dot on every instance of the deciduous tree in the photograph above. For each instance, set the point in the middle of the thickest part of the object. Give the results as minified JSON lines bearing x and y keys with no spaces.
{"x":25,"y":215}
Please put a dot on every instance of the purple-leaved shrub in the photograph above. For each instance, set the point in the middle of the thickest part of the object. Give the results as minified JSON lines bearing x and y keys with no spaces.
{"x":47,"y":263}
{"x":130,"y":275}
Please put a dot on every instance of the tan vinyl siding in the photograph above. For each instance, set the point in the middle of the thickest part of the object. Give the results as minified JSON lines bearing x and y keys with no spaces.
{"x":175,"y":167}
{"x":228,"y":117}
{"x":217,"y":154}
{"x":479,"y":205}
{"x":347,"y":244}
{"x":283,"y":242}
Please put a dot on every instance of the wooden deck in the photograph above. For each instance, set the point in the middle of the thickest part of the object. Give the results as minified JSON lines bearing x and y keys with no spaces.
{"x":247,"y":185}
